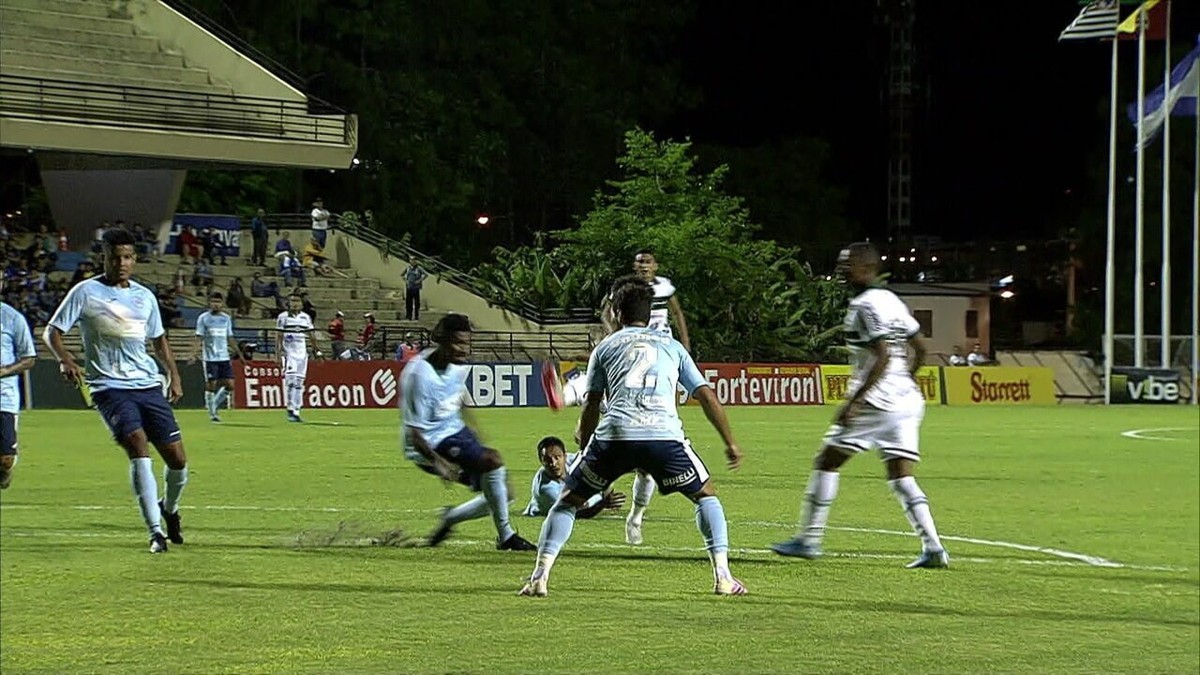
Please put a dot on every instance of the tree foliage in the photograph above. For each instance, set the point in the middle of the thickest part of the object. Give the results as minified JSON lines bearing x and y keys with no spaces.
{"x":746,"y":298}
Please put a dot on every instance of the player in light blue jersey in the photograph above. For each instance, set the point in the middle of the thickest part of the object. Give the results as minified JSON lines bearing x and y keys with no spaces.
{"x":17,"y":355}
{"x":548,"y":482}
{"x":116,"y":316}
{"x":439,"y":440}
{"x":638,"y":369}
{"x":214,"y":343}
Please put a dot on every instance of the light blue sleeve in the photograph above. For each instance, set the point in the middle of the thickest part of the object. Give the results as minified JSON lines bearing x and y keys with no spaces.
{"x":154,"y":325}
{"x":543,"y":494}
{"x":23,"y":341}
{"x":71,"y":308}
{"x":597,"y":378}
{"x":690,"y":377}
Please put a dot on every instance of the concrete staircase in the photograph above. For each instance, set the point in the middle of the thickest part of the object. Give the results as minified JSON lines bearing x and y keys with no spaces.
{"x":93,"y":42}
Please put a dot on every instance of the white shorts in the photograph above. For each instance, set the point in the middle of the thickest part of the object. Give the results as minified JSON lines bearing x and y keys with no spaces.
{"x":294,"y":367}
{"x":896,"y":434}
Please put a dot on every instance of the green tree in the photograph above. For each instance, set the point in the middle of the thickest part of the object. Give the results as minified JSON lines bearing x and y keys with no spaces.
{"x":746,"y":298}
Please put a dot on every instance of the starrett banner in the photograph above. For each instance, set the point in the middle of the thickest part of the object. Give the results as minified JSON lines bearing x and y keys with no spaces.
{"x":999,"y":386}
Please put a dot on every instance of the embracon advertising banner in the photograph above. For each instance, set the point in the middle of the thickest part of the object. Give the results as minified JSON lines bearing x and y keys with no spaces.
{"x":999,"y":385}
{"x":376,"y":384}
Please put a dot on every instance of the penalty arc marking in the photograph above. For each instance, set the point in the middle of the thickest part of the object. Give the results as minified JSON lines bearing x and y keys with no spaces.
{"x":1153,"y":434}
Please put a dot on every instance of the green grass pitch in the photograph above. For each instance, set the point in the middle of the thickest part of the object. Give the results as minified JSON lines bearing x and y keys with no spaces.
{"x":1075,"y":549}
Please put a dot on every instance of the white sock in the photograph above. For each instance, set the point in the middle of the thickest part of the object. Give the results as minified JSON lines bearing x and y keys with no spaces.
{"x":916,"y":509}
{"x":145,"y":488}
{"x":299,"y":394}
{"x":643,"y":490}
{"x":174,"y":479}
{"x":818,"y":499}
{"x":545,"y":561}
{"x":208,"y":401}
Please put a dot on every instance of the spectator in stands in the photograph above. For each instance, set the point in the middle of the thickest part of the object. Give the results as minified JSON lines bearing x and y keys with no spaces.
{"x":86,"y":269}
{"x":291,"y":270}
{"x":367,"y":334}
{"x":414,"y":279}
{"x":179,"y":280}
{"x":236,"y":298}
{"x":406,"y":349}
{"x":98,"y":236}
{"x":957,"y":359}
{"x":202,"y":277}
{"x":142,"y":245}
{"x":977,"y":357}
{"x":168,"y":307}
{"x":320,"y":221}
{"x":64,"y":242}
{"x":189,"y":245}
{"x":258,"y":230}
{"x":46,"y":242}
{"x":308,"y":307}
{"x":261,"y":288}
{"x":210,"y":244}
{"x":284,"y":246}
{"x":337,"y":333}
{"x":315,"y":260}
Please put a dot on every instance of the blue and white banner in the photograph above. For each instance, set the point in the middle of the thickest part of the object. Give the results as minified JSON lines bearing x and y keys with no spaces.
{"x":227,"y":229}
{"x":1179,"y":100}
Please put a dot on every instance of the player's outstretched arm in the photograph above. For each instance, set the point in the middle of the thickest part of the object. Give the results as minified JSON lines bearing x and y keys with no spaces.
{"x":70,"y":370}
{"x":917,"y":345}
{"x":589,"y":418}
{"x":162,"y":347}
{"x":715,"y":412}
{"x":680,"y":322}
{"x":17,"y":367}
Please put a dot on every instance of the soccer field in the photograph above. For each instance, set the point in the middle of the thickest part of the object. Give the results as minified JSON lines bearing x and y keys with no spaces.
{"x":1075,"y":549}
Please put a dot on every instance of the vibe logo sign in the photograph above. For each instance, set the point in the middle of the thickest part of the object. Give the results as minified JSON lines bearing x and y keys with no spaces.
{"x":1153,"y":390}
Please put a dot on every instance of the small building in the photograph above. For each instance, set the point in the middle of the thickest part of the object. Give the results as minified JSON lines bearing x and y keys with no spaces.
{"x":950,"y":314}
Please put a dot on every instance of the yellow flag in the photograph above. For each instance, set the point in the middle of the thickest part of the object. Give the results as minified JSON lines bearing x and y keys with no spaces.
{"x":1130,"y":24}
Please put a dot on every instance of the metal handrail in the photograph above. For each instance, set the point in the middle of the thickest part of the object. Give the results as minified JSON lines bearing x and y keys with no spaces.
{"x":433,"y":265}
{"x":133,"y":106}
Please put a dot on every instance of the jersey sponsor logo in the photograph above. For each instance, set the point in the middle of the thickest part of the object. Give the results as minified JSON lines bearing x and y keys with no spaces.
{"x":681,"y":479}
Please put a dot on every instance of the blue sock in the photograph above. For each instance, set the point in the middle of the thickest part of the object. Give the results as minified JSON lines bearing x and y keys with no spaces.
{"x":710,"y":518}
{"x":556,"y":529}
{"x":495,"y":490}
{"x":219,"y":399}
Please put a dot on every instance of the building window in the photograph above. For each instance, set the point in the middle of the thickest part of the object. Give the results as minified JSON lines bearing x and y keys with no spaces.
{"x":972,"y":323}
{"x":925,"y":318}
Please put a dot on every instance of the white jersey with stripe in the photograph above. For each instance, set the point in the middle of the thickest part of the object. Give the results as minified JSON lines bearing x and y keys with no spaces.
{"x":295,"y":329}
{"x":879,"y":314}
{"x":660,"y":307}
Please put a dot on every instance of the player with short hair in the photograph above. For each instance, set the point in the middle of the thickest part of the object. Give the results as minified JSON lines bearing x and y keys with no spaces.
{"x":291,"y":353}
{"x":214,"y":340}
{"x":17,"y":355}
{"x":638,"y":369}
{"x":548,"y":482}
{"x":437,"y":437}
{"x":116,"y":316}
{"x":884,"y":411}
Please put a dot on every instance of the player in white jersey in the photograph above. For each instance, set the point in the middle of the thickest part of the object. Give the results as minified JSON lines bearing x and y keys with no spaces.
{"x":17,"y":355}
{"x":548,"y":482}
{"x":291,"y":352}
{"x":638,"y":369}
{"x":116,"y":317}
{"x":214,"y":342}
{"x":882,"y":412}
{"x":433,"y":389}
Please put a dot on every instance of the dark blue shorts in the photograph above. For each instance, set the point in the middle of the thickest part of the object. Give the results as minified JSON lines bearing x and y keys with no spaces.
{"x":8,"y":433}
{"x":127,"y":410}
{"x":464,"y":450}
{"x":218,"y":370}
{"x":673,"y":464}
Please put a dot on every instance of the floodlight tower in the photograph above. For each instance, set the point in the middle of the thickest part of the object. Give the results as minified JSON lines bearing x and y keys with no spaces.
{"x":898,"y":17}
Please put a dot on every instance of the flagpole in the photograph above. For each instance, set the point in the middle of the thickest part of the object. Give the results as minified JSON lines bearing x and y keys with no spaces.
{"x":1110,"y":251}
{"x":1164,"y":353}
{"x":1139,"y":217}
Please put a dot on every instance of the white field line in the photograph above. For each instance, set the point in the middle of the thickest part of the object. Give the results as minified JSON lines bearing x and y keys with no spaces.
{"x":1069,"y":558}
{"x":1149,"y":434}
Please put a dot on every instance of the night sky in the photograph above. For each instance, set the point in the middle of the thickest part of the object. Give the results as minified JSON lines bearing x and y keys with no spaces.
{"x":1007,"y":118}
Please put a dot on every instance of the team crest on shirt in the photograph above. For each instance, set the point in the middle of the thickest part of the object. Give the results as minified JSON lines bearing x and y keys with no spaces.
{"x":453,"y":451}
{"x":138,"y":302}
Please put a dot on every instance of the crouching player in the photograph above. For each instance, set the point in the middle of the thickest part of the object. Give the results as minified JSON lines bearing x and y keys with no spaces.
{"x":638,"y":369}
{"x":439,"y":441}
{"x":548,"y":482}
